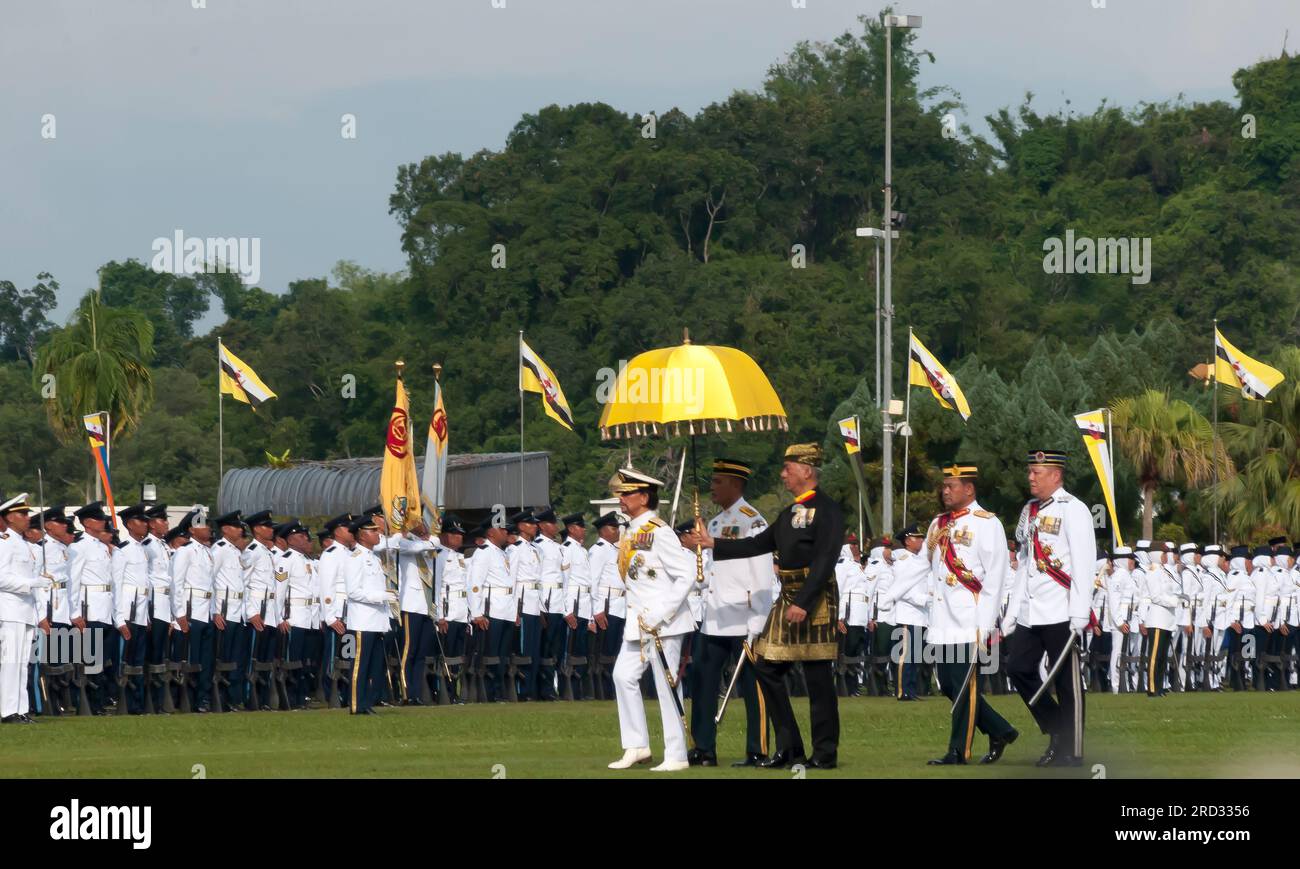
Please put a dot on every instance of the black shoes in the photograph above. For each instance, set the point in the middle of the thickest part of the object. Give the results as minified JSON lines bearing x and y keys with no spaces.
{"x":952,"y":758}
{"x":750,"y":760}
{"x":1049,"y":755}
{"x":15,"y":719}
{"x":781,"y":760}
{"x":699,"y":757}
{"x":822,"y":763}
{"x":997,"y":745}
{"x":908,"y":697}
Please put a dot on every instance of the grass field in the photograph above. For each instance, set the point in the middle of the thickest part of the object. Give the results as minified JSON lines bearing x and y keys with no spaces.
{"x":1228,"y":735}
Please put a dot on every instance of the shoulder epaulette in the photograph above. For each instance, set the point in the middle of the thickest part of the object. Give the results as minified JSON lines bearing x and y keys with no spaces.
{"x":1062,"y":497}
{"x":656,"y":522}
{"x":482,"y":546}
{"x":222,"y":542}
{"x":329,"y":548}
{"x":986,"y":514}
{"x":749,"y":511}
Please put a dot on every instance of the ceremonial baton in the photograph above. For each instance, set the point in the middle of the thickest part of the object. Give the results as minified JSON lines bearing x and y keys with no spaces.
{"x":745,"y":652}
{"x":1051,"y":674}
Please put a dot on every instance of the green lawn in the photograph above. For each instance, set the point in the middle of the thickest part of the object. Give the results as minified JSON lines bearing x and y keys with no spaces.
{"x":1236,"y":735}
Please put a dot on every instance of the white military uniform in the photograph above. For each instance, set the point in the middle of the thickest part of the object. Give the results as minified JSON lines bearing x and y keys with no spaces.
{"x":658,"y":573}
{"x":161,"y":585}
{"x":91,"y":575}
{"x":367,"y":590}
{"x":554,"y":575}
{"x":577,"y":594}
{"x":299,"y":587}
{"x":19,"y":586}
{"x":609,"y":595}
{"x":131,"y":584}
{"x":855,"y":608}
{"x":192,"y":570}
{"x":525,"y":563}
{"x":415,"y":578}
{"x":331,"y":583}
{"x":259,"y":584}
{"x":957,"y":612}
{"x":1124,"y":602}
{"x":907,"y":597}
{"x":492,"y":590}
{"x":57,"y":568}
{"x":1217,"y":601}
{"x":1065,"y":532}
{"x":739,"y":594}
{"x":451,"y":581}
{"x":227,"y":581}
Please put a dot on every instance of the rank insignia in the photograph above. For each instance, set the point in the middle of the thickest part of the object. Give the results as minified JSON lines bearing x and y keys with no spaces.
{"x":281,"y":575}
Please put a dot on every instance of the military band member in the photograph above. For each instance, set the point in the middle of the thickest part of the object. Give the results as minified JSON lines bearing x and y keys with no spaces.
{"x":369,"y":602}
{"x":20,"y":587}
{"x":658,"y":573}
{"x":802,"y":624}
{"x":493,"y":606}
{"x":192,"y":572}
{"x":908,"y":599}
{"x":91,"y":575}
{"x":577,"y":599}
{"x":735,"y":607}
{"x":132,"y":586}
{"x":554,"y":579}
{"x":1050,"y":603}
{"x":966,"y":549}
{"x":608,"y":600}
{"x":228,"y":585}
{"x":1123,"y":602}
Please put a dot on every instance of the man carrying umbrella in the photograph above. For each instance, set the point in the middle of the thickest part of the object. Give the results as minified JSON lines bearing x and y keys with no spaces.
{"x":801,"y":626}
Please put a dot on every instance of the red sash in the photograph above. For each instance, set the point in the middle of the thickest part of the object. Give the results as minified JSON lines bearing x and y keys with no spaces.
{"x":948,"y":552}
{"x":1041,"y":552}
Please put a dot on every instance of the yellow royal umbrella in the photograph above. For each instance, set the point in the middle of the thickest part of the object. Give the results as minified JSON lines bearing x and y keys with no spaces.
{"x":686,"y":389}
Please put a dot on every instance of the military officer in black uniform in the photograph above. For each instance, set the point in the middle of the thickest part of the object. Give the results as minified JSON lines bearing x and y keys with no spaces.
{"x":801,"y":626}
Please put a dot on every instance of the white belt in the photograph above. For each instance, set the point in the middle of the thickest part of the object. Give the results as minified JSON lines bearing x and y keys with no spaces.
{"x":59,"y":583}
{"x":97,"y":588}
{"x":458,"y":594}
{"x":262,"y":596}
{"x":233,"y":595}
{"x":614,"y":592}
{"x":553,"y":585}
{"x":201,"y":595}
{"x":302,"y":600}
{"x":534,"y":586}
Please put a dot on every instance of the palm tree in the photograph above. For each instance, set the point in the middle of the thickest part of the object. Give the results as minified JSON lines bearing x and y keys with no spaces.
{"x":100,"y":361}
{"x":1265,"y":440}
{"x":1166,"y":441}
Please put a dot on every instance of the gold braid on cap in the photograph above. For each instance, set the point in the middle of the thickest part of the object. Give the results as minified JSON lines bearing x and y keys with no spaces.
{"x":804,"y":454}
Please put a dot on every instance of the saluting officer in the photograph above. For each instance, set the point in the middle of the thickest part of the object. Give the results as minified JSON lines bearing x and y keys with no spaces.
{"x":415,"y":587}
{"x":967,"y":552}
{"x":736,"y":605}
{"x":1051,"y":603}
{"x":802,"y":624}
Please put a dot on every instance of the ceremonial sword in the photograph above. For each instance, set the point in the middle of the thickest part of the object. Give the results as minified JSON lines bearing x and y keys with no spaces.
{"x":1051,"y":674}
{"x":668,"y":675}
{"x":745,"y":653}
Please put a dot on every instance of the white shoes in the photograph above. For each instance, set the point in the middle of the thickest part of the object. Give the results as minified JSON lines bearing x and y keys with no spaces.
{"x":671,"y":766}
{"x":631,"y":757}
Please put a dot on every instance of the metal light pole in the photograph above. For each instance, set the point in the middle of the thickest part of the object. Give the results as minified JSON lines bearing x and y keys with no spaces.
{"x":887,"y":504}
{"x":877,"y":234}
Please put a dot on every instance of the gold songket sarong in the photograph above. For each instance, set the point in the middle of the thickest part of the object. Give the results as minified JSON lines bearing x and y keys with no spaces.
{"x":813,"y":639}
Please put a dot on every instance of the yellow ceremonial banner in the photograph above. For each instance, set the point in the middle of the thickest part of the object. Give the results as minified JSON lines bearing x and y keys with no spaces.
{"x":1092,"y":425}
{"x":849,"y":431}
{"x":924,"y":370}
{"x":536,"y":376}
{"x":1231,"y":366}
{"x":399,"y":486}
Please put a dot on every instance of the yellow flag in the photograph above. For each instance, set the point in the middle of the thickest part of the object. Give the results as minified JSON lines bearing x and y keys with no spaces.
{"x":399,"y":487}
{"x":1092,"y":425}
{"x":536,"y":376}
{"x":239,"y":381}
{"x":925,"y":370}
{"x":1231,"y":366}
{"x":849,"y":431}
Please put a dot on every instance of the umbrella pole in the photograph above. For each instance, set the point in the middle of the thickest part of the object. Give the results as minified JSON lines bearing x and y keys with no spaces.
{"x":695,"y":478}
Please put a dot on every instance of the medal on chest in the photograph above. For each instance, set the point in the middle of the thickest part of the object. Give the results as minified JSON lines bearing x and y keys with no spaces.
{"x":801,"y":516}
{"x":1049,"y":524}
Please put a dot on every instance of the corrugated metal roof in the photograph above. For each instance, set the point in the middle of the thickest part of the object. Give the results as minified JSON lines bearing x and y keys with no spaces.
{"x":475,"y":481}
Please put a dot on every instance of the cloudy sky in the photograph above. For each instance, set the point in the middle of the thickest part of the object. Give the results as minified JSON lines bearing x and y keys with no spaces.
{"x":225,"y":120}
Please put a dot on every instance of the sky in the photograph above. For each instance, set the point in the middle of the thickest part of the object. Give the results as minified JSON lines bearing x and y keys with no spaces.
{"x":226,"y":120}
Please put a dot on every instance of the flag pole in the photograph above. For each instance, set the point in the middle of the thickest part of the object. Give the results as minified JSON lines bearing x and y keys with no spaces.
{"x":907,"y":418}
{"x":1110,"y":453}
{"x":221,"y":427}
{"x":1214,"y":427}
{"x":520,"y":366}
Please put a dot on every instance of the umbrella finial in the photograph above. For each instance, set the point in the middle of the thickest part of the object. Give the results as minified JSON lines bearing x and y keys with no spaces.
{"x":686,"y":335}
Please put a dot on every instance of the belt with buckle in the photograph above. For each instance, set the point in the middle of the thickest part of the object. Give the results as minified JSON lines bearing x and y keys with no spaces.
{"x":458,"y":593}
{"x":798,"y":573}
{"x":553,"y":585}
{"x":97,"y":588}
{"x":59,"y":583}
{"x":614,"y":592}
{"x":234,"y":595}
{"x":201,"y":595}
{"x":306,"y":600}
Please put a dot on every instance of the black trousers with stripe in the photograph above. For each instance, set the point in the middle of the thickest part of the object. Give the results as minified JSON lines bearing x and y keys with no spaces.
{"x":713,"y":654}
{"x":368,"y":670}
{"x":417,"y":645}
{"x":1158,"y":661}
{"x":1060,"y":716}
{"x":954,"y":664}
